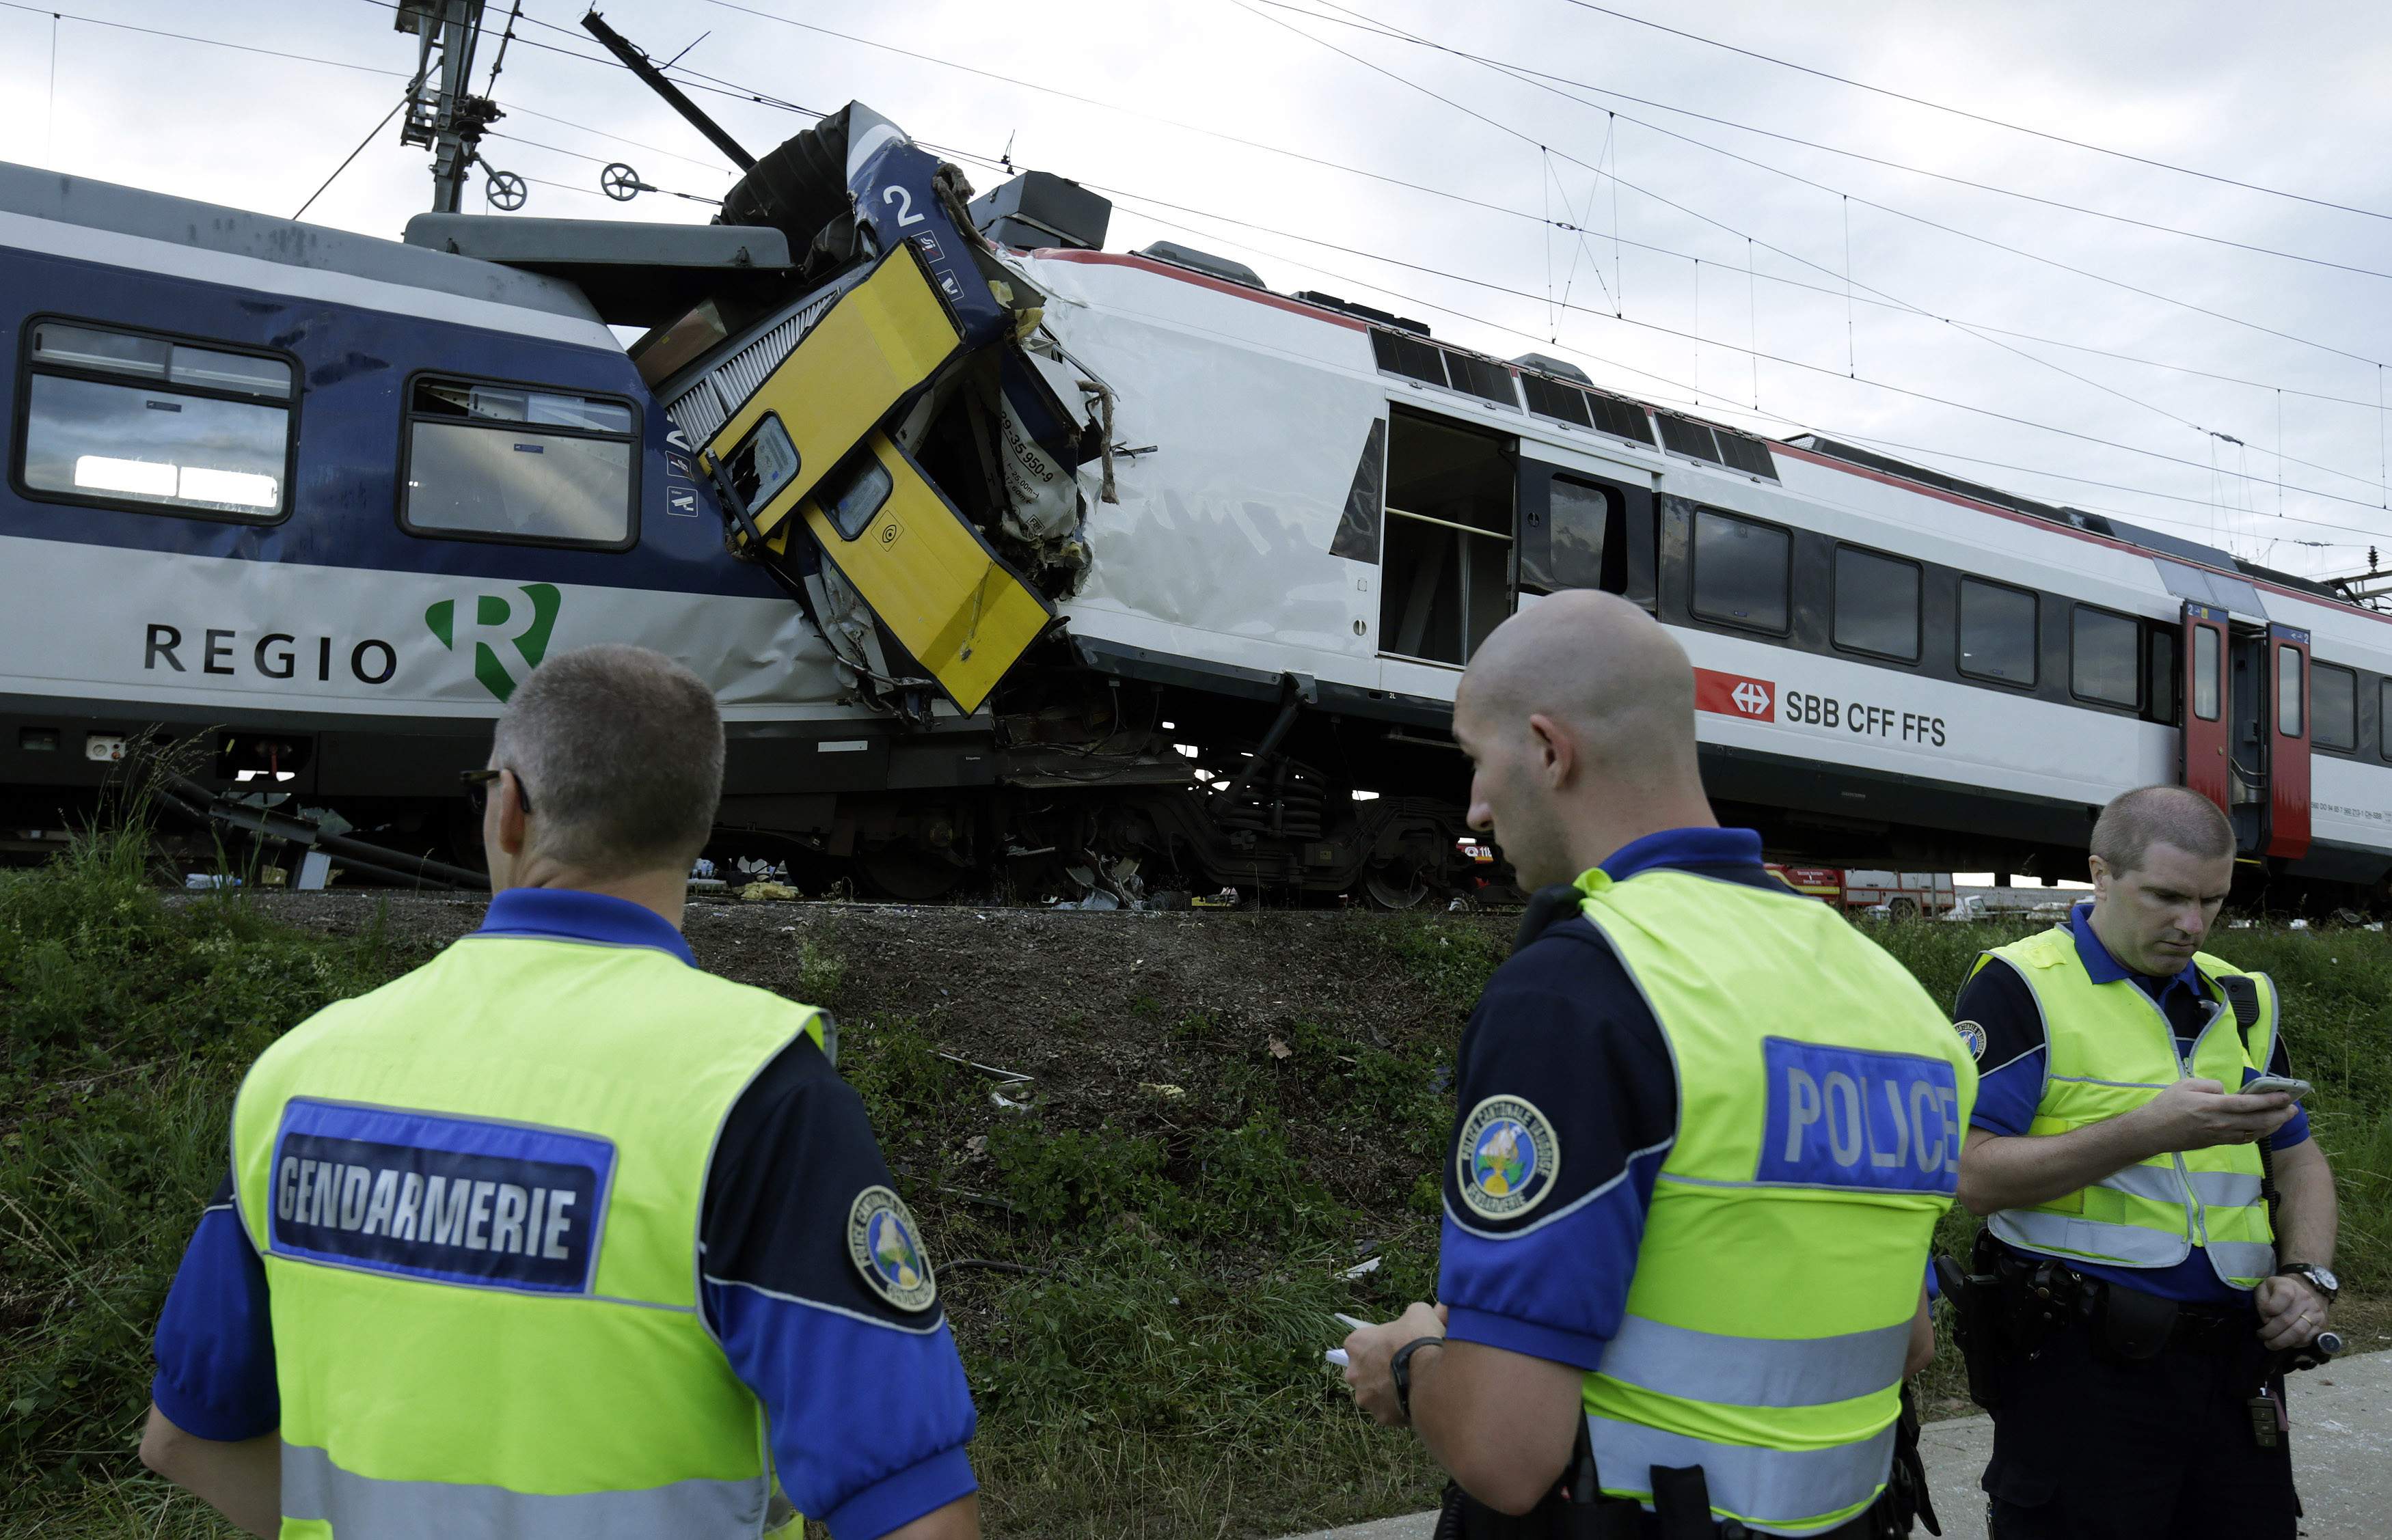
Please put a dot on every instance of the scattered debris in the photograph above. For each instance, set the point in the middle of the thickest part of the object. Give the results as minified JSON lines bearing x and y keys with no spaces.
{"x":1278,"y":1048}
{"x":759,"y":892}
{"x":1011,"y":1076}
{"x":1008,"y":1103}
{"x":963,"y":1264}
{"x":1167,"y":1091}
{"x":976,"y":1144}
{"x":1363,"y":1268}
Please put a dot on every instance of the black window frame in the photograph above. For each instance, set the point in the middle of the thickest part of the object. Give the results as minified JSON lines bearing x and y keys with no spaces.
{"x":408,"y":417}
{"x":2035,"y":633}
{"x":2318,"y":667}
{"x":1664,"y":421}
{"x":24,"y":420}
{"x":2137,"y":671}
{"x":1757,"y":461}
{"x":2163,"y":675}
{"x":1695,"y":577}
{"x":1918,"y":604}
{"x":1392,"y":350}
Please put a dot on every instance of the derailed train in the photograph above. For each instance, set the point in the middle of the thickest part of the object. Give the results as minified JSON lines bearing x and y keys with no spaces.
{"x":1011,"y":557}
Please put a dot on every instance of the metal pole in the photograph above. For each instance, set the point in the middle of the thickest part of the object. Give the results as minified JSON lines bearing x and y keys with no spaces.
{"x":460,"y":22}
{"x":637,"y":62}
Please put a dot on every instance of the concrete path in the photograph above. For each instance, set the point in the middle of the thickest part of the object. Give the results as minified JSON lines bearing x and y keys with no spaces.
{"x":2341,"y":1454}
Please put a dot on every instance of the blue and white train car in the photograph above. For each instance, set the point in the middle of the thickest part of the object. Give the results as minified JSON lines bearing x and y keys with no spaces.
{"x":329,"y":495}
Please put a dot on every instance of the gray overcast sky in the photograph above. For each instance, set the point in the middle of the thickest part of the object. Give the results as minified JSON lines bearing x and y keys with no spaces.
{"x":2291,"y":102}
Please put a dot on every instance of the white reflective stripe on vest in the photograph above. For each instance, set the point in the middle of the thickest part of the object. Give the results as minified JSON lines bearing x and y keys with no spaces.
{"x":2242,"y":1259}
{"x":2160,"y":1183}
{"x":1776,"y":1488}
{"x":2127,"y":1245}
{"x":359,"y":1507}
{"x":2226,"y":1189}
{"x":1754,"y":1371}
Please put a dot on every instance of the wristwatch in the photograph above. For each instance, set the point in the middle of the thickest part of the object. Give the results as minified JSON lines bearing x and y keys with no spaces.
{"x":2319,"y":1278}
{"x":1401,"y":1366}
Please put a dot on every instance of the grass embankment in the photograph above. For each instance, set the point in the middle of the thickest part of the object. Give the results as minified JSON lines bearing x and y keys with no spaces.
{"x":1173,"y":1229}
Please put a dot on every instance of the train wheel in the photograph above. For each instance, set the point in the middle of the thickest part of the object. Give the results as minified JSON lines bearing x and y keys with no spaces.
{"x":907,"y":876}
{"x":1396,"y":886}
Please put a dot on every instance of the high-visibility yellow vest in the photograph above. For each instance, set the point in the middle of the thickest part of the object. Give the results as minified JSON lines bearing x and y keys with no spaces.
{"x":2108,"y":1050}
{"x":476,"y":1191}
{"x":1821,"y":1101}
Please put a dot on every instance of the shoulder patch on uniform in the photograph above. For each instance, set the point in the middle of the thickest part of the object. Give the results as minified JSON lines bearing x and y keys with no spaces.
{"x":1973,"y":1037}
{"x":885,"y":1246}
{"x":1507,"y":1159}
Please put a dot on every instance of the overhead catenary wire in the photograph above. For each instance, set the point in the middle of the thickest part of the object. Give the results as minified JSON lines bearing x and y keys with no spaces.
{"x":732,"y":89}
{"x":1980,"y":117}
{"x":1800,"y":425}
{"x":1797,"y":425}
{"x":1466,"y":199}
{"x":1366,"y":23}
{"x":1131,"y":199}
{"x":372,"y":133}
{"x":1506,"y":128}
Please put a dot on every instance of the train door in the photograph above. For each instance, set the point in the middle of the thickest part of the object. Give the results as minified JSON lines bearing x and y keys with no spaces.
{"x":1447,"y":564}
{"x":2288,"y":743}
{"x":1582,"y":531}
{"x":2246,"y":728}
{"x":2207,"y":767}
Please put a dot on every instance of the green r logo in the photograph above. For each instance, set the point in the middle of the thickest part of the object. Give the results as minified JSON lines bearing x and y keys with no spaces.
{"x":498,"y":620}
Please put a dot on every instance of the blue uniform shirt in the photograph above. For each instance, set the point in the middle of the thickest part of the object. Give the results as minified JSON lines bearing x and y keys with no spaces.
{"x":867,"y":1411}
{"x":1563,"y":1026}
{"x":2009,"y":1083}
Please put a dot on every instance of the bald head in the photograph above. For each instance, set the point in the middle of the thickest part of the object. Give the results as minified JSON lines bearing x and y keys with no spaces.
{"x":1600,"y":667}
{"x":1579,"y":718}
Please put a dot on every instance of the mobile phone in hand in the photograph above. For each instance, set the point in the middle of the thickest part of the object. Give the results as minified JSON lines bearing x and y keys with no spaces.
{"x":2266,"y":1084}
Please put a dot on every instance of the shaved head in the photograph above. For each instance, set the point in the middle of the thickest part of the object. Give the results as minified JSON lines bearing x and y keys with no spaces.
{"x":1579,"y":714}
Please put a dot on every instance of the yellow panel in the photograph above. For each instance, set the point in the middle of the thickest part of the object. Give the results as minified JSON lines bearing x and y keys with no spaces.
{"x":877,"y":343}
{"x":932,"y":581}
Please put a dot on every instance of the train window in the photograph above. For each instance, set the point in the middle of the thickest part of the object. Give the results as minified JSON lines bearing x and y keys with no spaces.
{"x":124,"y":418}
{"x":1740,"y":571}
{"x":763,"y":463}
{"x":1684,"y":436}
{"x":855,"y":491}
{"x":2204,"y":673}
{"x":2333,"y":707}
{"x":1445,"y":559}
{"x":2384,"y":717}
{"x":2162,"y":658}
{"x":505,"y":462}
{"x":1997,"y":632}
{"x":1877,"y":604}
{"x":1581,"y":514}
{"x":2102,"y":665}
{"x":2288,"y":692}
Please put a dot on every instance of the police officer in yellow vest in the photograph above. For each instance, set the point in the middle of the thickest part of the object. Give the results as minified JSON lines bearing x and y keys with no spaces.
{"x":1705,"y":1130}
{"x":2121,"y":1182}
{"x":559,"y":1236}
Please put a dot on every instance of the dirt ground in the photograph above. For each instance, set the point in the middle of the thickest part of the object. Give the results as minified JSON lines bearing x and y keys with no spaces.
{"x":1098,"y":1006}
